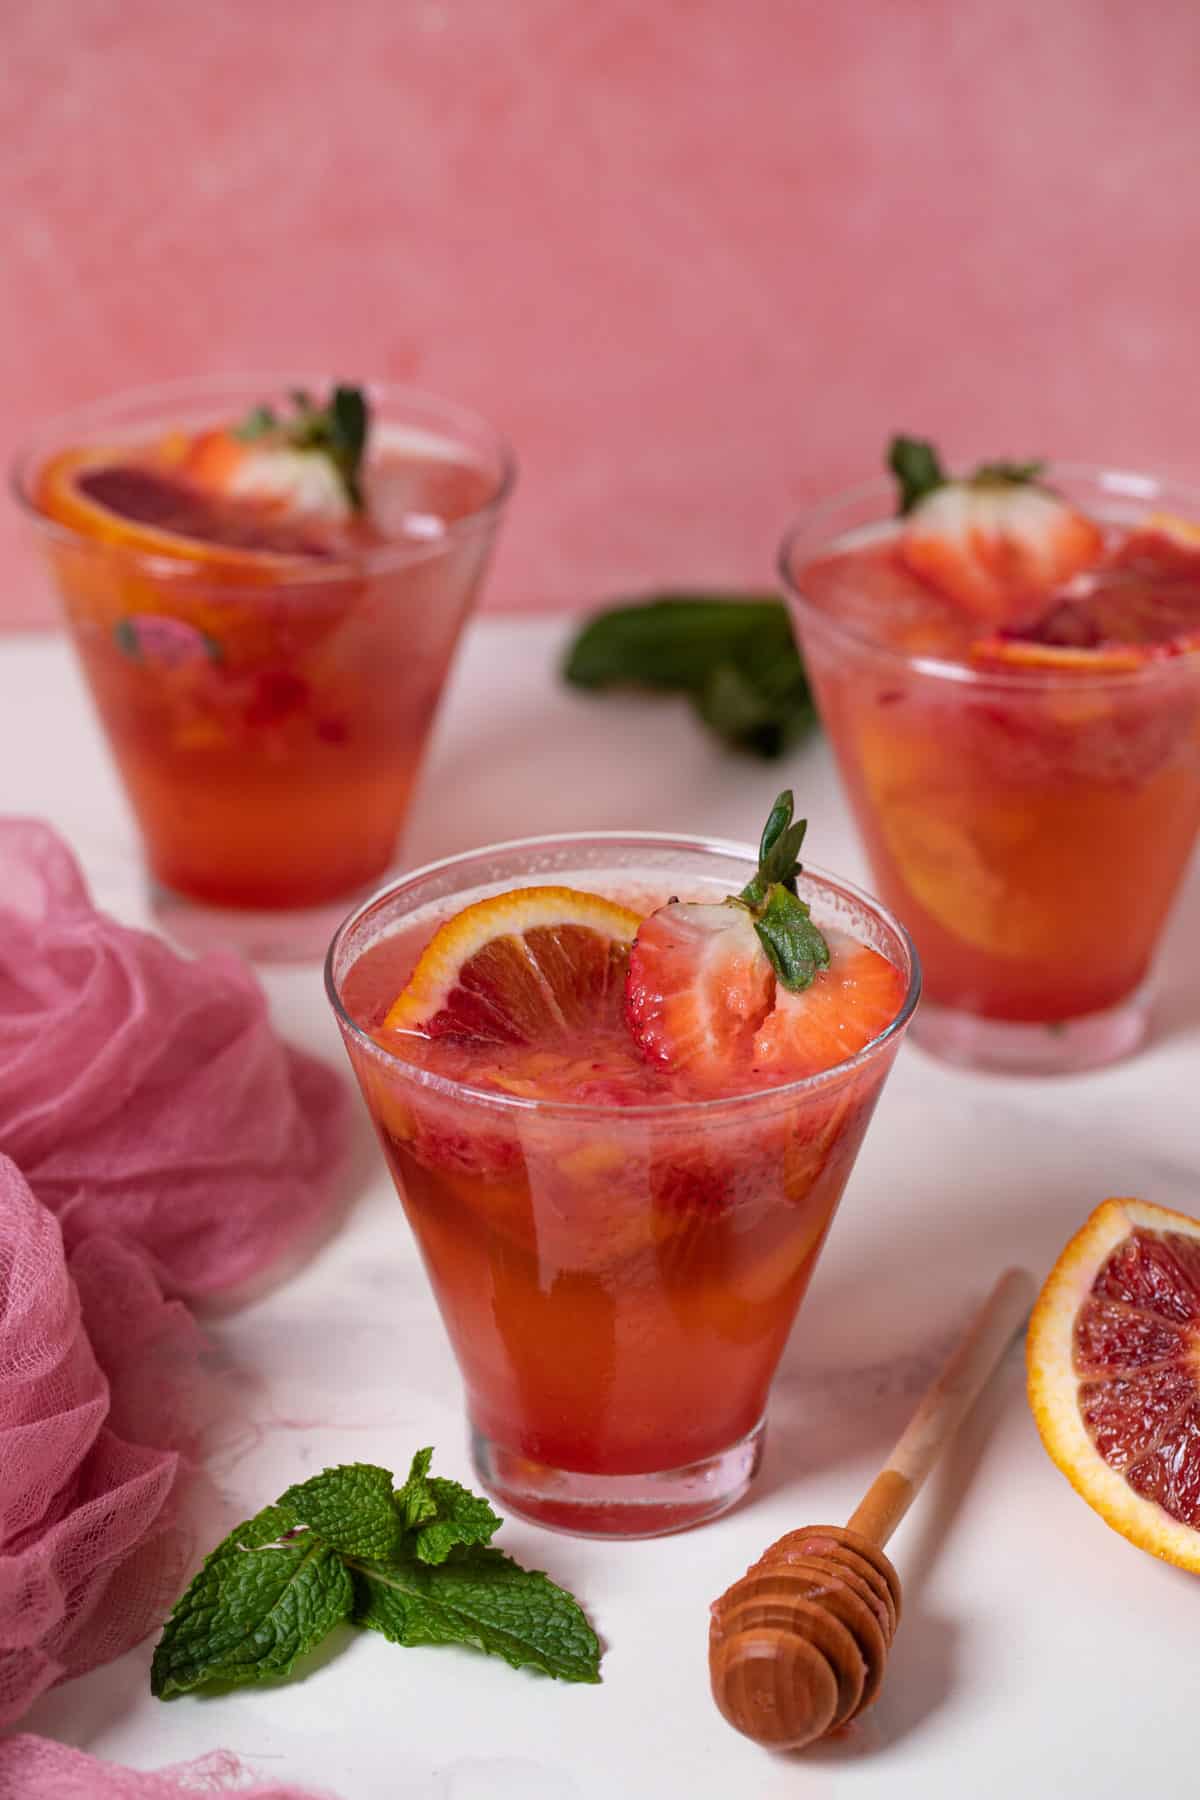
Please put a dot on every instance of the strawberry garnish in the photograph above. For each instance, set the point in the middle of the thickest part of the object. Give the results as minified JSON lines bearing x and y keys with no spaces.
{"x":703,"y":976}
{"x":699,"y":985}
{"x":997,"y":543}
{"x":847,"y":1004}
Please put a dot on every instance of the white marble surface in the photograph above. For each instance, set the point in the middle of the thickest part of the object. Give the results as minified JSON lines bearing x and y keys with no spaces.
{"x":1038,"y":1650}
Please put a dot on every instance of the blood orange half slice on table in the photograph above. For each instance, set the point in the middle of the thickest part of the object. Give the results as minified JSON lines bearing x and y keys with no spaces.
{"x":532,"y":966}
{"x":1113,"y":1356}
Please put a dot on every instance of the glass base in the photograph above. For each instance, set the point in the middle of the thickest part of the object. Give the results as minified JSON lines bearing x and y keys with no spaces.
{"x":297,"y":934}
{"x":624,"y":1506}
{"x":1064,"y":1047}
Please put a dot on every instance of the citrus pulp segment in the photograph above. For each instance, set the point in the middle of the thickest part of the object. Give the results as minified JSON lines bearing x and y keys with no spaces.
{"x":1113,"y":1358}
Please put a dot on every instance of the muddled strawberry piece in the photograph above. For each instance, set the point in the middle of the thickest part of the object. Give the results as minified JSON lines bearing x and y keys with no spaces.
{"x":997,"y":548}
{"x":845,"y":1007}
{"x":699,"y":987}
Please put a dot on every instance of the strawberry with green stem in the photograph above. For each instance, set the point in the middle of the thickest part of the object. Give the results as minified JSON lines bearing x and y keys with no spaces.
{"x":997,"y":542}
{"x":751,"y":982}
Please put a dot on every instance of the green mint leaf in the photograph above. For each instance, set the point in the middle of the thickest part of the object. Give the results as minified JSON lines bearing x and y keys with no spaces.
{"x":1014,"y":474}
{"x":441,"y":1513}
{"x":793,"y":943}
{"x":917,"y":467}
{"x":462,"y":1518}
{"x":671,"y":641}
{"x":762,"y":717}
{"x":734,"y":656}
{"x":482,"y":1598}
{"x":350,"y":1508}
{"x":414,"y":1500}
{"x":265,"y":1596}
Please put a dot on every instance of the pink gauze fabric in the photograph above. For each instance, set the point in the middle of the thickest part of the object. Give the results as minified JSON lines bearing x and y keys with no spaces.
{"x":158,"y":1143}
{"x":144,"y":1094}
{"x":32,"y":1768}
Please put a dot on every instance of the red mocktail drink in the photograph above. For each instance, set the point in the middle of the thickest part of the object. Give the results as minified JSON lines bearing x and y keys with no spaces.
{"x":1022,"y":753}
{"x":618,"y":1236}
{"x":265,"y":593}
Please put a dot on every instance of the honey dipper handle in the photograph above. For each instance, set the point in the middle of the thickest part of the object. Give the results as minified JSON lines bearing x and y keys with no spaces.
{"x":945,"y":1406}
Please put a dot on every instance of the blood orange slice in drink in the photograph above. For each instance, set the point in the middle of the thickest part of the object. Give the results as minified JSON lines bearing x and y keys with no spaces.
{"x":532,"y":966}
{"x":1113,"y":1357}
{"x":167,"y":504}
{"x":1140,"y":607}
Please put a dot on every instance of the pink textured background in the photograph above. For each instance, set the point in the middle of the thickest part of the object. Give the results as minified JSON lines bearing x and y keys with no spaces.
{"x":696,"y":257}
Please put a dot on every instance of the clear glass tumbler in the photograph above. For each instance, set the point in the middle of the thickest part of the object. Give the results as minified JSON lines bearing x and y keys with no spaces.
{"x":267,"y":710}
{"x":1031,"y":826}
{"x":618,"y":1283}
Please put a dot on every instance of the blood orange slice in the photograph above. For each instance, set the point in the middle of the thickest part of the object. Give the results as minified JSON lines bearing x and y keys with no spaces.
{"x":181,"y":501}
{"x":531,"y":966}
{"x":1142,"y":606}
{"x":1113,"y":1357}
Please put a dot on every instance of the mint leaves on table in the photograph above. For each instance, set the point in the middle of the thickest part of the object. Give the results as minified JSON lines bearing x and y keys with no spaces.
{"x":338,"y":430}
{"x":795,"y":945}
{"x":414,"y":1563}
{"x":918,"y":469}
{"x":733,"y":655}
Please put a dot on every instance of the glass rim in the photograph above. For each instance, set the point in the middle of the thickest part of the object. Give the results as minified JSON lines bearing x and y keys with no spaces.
{"x":1122,"y":483}
{"x":519,"y":1105}
{"x":293,"y":571}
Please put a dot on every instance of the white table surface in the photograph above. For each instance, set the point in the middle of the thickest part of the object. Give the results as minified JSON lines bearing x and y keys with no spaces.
{"x":1038,"y":1650}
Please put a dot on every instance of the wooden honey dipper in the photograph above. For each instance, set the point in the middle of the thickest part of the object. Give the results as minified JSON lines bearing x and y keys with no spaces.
{"x":797,"y":1647}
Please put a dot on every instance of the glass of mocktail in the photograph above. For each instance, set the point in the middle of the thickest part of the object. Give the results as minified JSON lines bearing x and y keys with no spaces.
{"x":1012,"y":690}
{"x":619,"y":1164}
{"x":264,"y":581}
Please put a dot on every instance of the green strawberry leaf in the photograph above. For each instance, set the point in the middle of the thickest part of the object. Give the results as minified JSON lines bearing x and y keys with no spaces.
{"x":795,"y":945}
{"x":338,"y":430}
{"x":479,"y":1597}
{"x":917,"y":467}
{"x":350,"y":1508}
{"x":1010,"y":474}
{"x":265,"y":1596}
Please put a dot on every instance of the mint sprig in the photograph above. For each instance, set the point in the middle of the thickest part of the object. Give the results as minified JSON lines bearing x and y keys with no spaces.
{"x":783,"y":921}
{"x":732,"y":655}
{"x":918,"y":469}
{"x":481,"y":1597}
{"x":413,"y":1563}
{"x":338,"y":430}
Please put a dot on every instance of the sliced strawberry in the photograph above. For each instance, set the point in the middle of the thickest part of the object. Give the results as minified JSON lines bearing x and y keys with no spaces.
{"x":997,"y":546}
{"x":844,"y":1007}
{"x":699,"y":987}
